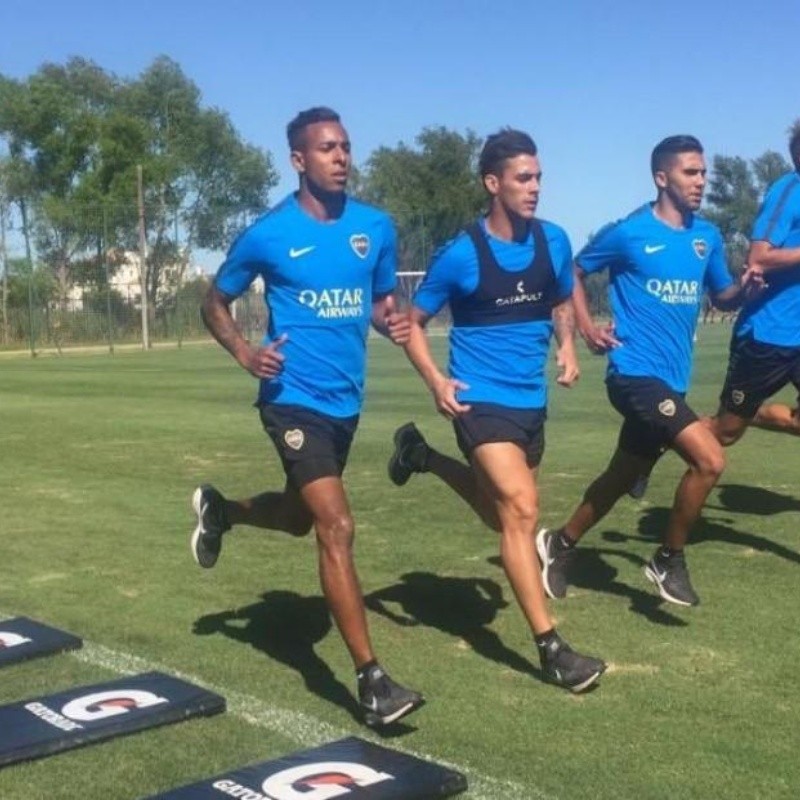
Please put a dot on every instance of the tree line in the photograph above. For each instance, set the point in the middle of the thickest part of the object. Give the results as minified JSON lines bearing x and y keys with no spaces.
{"x":74,"y":137}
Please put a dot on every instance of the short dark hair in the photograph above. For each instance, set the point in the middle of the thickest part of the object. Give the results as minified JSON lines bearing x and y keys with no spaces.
{"x":506,"y":143}
{"x":794,"y":144}
{"x":296,"y":128}
{"x":666,"y":150}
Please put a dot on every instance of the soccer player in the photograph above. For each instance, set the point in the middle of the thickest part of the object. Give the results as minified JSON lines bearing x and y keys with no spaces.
{"x":765,"y":345}
{"x":661,"y":260}
{"x":508,"y":280}
{"x":328,"y":265}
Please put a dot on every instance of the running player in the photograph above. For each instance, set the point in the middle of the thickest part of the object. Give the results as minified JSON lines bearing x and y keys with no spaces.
{"x":328,"y":264}
{"x":662,"y":258}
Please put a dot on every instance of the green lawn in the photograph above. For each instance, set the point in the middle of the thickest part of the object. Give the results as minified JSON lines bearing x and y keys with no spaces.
{"x":99,"y":455}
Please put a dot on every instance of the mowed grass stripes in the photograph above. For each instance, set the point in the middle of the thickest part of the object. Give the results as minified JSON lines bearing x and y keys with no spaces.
{"x":99,"y":455}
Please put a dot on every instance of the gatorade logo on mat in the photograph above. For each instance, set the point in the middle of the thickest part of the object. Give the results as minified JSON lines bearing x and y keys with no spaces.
{"x":322,"y":780}
{"x":100,"y":705}
{"x":12,"y":639}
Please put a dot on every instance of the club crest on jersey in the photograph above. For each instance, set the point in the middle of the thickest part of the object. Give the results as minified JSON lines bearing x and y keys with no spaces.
{"x":294,"y":438}
{"x":360,"y":244}
{"x":737,"y":395}
{"x":700,"y":247}
{"x":667,"y":407}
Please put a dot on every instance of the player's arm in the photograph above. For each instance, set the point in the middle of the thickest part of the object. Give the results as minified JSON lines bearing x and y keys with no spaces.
{"x":766,"y":256}
{"x":566,"y":355}
{"x":388,"y":320}
{"x":261,"y":362}
{"x":419,"y":354}
{"x":599,"y":338}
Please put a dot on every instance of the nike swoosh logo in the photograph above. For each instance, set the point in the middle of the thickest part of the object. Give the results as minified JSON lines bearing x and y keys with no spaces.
{"x":653,"y":248}
{"x":301,"y":251}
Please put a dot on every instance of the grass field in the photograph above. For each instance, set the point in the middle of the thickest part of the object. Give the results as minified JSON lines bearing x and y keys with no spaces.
{"x":99,"y":456}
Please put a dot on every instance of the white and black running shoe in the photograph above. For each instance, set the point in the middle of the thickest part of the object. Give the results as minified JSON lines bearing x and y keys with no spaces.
{"x":206,"y":543}
{"x":555,"y":562}
{"x":671,"y":575}
{"x":383,"y":700}
{"x":409,"y":456}
{"x":564,"y":667}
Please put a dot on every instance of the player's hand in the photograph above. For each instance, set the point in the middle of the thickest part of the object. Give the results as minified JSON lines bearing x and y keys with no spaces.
{"x":752,"y":281}
{"x":398,"y":327}
{"x":600,"y":338}
{"x":266,"y":361}
{"x":568,"y":370}
{"x":444,"y":393}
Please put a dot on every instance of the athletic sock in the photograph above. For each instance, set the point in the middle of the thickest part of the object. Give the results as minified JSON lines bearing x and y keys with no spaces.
{"x":363,"y":671}
{"x":667,"y":552}
{"x":543,"y":640}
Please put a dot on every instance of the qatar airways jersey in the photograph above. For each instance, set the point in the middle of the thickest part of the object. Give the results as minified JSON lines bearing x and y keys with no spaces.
{"x":320,"y":280}
{"x":657,"y":277}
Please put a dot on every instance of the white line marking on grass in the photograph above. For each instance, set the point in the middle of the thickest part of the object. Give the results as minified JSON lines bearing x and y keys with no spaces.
{"x":306,"y":730}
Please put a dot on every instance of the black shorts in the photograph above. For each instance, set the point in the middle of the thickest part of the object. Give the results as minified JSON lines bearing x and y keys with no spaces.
{"x":757,"y":371}
{"x":654,"y":414}
{"x":490,"y":422}
{"x":310,"y":444}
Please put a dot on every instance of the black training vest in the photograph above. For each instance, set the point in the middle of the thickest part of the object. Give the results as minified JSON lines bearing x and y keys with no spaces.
{"x":503,"y":297}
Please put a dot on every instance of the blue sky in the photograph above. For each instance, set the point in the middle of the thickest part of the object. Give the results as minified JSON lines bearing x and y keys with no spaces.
{"x":596,"y":84}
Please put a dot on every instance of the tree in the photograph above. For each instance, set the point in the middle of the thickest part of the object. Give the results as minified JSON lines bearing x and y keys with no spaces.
{"x":75,"y":135}
{"x":736,"y":188}
{"x":431,"y":191}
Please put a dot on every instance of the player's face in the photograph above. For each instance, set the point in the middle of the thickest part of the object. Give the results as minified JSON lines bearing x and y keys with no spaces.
{"x":516,"y":188}
{"x":684,"y":181}
{"x":323,"y":158}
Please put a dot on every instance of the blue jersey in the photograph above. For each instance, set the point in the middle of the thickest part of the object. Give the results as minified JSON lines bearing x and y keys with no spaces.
{"x":320,"y":280}
{"x":773,"y":317}
{"x":500,"y":363}
{"x":657,"y":278}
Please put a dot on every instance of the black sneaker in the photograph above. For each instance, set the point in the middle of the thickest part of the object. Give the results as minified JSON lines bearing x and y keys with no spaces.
{"x":564,"y":667}
{"x":671,"y":576}
{"x":209,"y":505}
{"x":383,"y":700}
{"x":555,"y":561}
{"x":410,"y":454}
{"x":639,"y":488}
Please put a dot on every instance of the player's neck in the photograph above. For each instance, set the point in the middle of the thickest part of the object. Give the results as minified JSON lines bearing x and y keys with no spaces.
{"x":322,"y":206}
{"x":668,"y":213}
{"x":507,"y":227}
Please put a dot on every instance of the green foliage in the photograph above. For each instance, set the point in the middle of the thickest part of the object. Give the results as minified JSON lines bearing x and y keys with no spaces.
{"x":431,"y":191}
{"x":735,"y":190}
{"x":75,"y":136}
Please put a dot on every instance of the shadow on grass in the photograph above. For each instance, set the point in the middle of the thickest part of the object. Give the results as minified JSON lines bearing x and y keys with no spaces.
{"x":742,"y":499}
{"x":591,"y":571}
{"x":460,"y":607}
{"x":709,"y":530}
{"x":286,"y":626}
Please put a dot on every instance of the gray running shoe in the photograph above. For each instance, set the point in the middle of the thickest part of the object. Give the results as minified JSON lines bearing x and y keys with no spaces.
{"x":639,"y":488}
{"x":383,"y":700}
{"x":671,"y":576}
{"x":564,"y":667}
{"x":410,"y":454}
{"x":555,"y":561}
{"x":212,"y":522}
